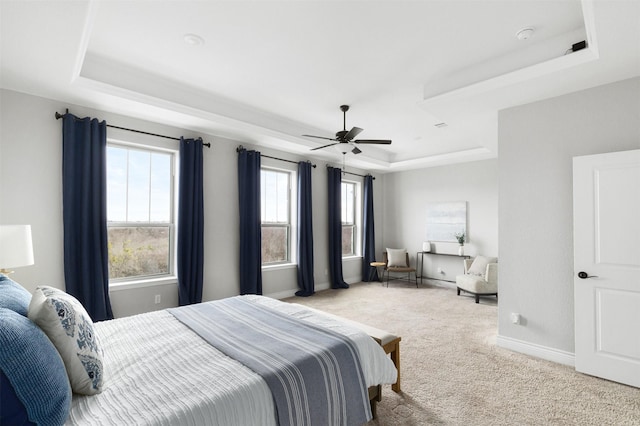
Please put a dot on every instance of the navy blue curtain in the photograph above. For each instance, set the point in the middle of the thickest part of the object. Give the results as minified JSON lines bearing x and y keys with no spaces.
{"x":335,"y":227}
{"x":368,"y":232}
{"x":84,"y":212}
{"x":305,"y":231}
{"x":190,"y":223}
{"x":250,"y":222}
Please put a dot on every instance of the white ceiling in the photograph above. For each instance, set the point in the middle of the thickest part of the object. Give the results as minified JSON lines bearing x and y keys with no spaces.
{"x":269,"y":72}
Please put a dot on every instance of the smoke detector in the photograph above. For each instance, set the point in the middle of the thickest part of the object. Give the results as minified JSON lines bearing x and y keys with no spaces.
{"x":524,"y":33}
{"x":193,"y":39}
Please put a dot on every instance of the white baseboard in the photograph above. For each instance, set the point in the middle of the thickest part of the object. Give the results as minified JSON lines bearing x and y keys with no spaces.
{"x":290,"y":293}
{"x":318,"y":287}
{"x":353,"y":279}
{"x":538,"y":351}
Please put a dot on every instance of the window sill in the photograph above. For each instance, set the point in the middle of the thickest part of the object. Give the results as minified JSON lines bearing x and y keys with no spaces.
{"x":351,"y":258}
{"x":279,"y":266}
{"x":149,"y":282}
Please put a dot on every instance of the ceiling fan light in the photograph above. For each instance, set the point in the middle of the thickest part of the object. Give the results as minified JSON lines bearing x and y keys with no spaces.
{"x":356,"y":150}
{"x":346,"y":137}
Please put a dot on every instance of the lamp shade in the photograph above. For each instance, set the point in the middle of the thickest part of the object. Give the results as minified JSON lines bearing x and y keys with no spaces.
{"x":16,"y":248}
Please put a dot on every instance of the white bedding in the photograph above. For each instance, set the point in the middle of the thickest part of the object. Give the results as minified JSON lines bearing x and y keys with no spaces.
{"x":159,"y":372}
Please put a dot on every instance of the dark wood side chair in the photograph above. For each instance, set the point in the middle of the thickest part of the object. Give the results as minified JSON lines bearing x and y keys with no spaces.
{"x":405,"y":269}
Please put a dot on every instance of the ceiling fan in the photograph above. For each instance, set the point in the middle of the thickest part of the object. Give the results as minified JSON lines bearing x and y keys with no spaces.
{"x":346,"y":137}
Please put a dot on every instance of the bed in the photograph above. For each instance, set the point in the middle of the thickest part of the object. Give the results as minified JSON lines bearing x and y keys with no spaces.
{"x":156,"y":370}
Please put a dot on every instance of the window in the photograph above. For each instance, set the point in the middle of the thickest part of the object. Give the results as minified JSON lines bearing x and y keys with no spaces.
{"x":140,"y":212}
{"x":275,"y":187}
{"x":350,"y":218}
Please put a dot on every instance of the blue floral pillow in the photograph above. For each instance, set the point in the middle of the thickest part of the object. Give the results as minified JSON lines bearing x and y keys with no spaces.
{"x":13,"y":296}
{"x":68,"y":325}
{"x":33,"y":381}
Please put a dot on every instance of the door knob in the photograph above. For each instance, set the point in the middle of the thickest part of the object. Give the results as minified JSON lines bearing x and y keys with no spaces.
{"x":583,"y":275}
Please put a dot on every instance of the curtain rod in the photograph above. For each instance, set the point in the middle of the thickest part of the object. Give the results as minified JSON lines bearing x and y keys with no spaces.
{"x":355,"y":174}
{"x":274,"y":158}
{"x":208,"y":145}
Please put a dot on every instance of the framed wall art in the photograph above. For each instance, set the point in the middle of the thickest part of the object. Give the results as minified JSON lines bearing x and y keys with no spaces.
{"x":445,"y":220}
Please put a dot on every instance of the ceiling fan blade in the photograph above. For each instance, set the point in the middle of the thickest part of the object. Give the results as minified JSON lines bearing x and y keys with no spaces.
{"x":325,"y":146}
{"x":320,"y":137}
{"x":374,"y":141}
{"x":355,"y":131}
{"x":356,"y":150}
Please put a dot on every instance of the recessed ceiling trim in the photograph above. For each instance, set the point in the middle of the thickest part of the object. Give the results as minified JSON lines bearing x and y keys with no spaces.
{"x":525,"y":74}
{"x":92,"y":11}
{"x":591,"y":53}
{"x":231,"y":121}
{"x":590,"y":25}
{"x":220,"y":125}
{"x":119,"y":80}
{"x":178,"y":114}
{"x":474,"y":154}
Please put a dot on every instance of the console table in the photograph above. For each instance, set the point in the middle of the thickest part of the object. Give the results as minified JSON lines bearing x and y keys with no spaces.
{"x":422,"y":253}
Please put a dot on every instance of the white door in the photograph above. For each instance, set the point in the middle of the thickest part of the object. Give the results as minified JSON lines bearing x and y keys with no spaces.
{"x":606,"y":239}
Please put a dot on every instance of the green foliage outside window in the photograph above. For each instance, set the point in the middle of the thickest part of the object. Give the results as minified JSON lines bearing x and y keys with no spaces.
{"x":138,"y":251}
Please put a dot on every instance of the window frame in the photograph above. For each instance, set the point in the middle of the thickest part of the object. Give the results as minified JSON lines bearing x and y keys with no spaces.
{"x":291,"y":225}
{"x":357,"y":217}
{"x":171,"y":274}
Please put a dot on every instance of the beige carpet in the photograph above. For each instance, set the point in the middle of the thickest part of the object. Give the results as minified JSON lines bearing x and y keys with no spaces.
{"x":454,"y":374}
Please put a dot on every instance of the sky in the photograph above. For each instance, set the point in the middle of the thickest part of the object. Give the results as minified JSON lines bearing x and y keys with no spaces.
{"x":139,"y":189}
{"x":275,"y":196}
{"x":138,"y":185}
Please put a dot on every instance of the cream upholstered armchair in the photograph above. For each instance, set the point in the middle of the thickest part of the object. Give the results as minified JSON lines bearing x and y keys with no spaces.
{"x":480,"y":277}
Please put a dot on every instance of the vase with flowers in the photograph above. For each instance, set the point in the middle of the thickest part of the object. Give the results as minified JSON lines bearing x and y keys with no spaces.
{"x":460,"y":236}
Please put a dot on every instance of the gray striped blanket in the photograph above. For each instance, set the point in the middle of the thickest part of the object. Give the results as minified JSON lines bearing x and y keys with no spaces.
{"x":314,"y":373}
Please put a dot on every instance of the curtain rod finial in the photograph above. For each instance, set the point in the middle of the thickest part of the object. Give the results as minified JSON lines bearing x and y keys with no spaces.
{"x":59,"y":116}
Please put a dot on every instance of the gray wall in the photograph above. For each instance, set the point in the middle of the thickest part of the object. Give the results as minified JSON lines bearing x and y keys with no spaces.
{"x":31,"y":193}
{"x":406,"y":195}
{"x":536,"y":146}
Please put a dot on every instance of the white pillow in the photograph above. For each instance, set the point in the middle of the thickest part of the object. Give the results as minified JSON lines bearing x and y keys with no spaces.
{"x":479,"y":265}
{"x":69,"y":327}
{"x":396,"y":257}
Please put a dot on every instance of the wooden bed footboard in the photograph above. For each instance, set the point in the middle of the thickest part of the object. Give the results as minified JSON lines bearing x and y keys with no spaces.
{"x":391,"y":345}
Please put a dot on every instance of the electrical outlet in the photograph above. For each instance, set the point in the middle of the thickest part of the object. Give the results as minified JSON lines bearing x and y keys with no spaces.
{"x":158,"y":299}
{"x":515,"y":318}
{"x":440,"y":271}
